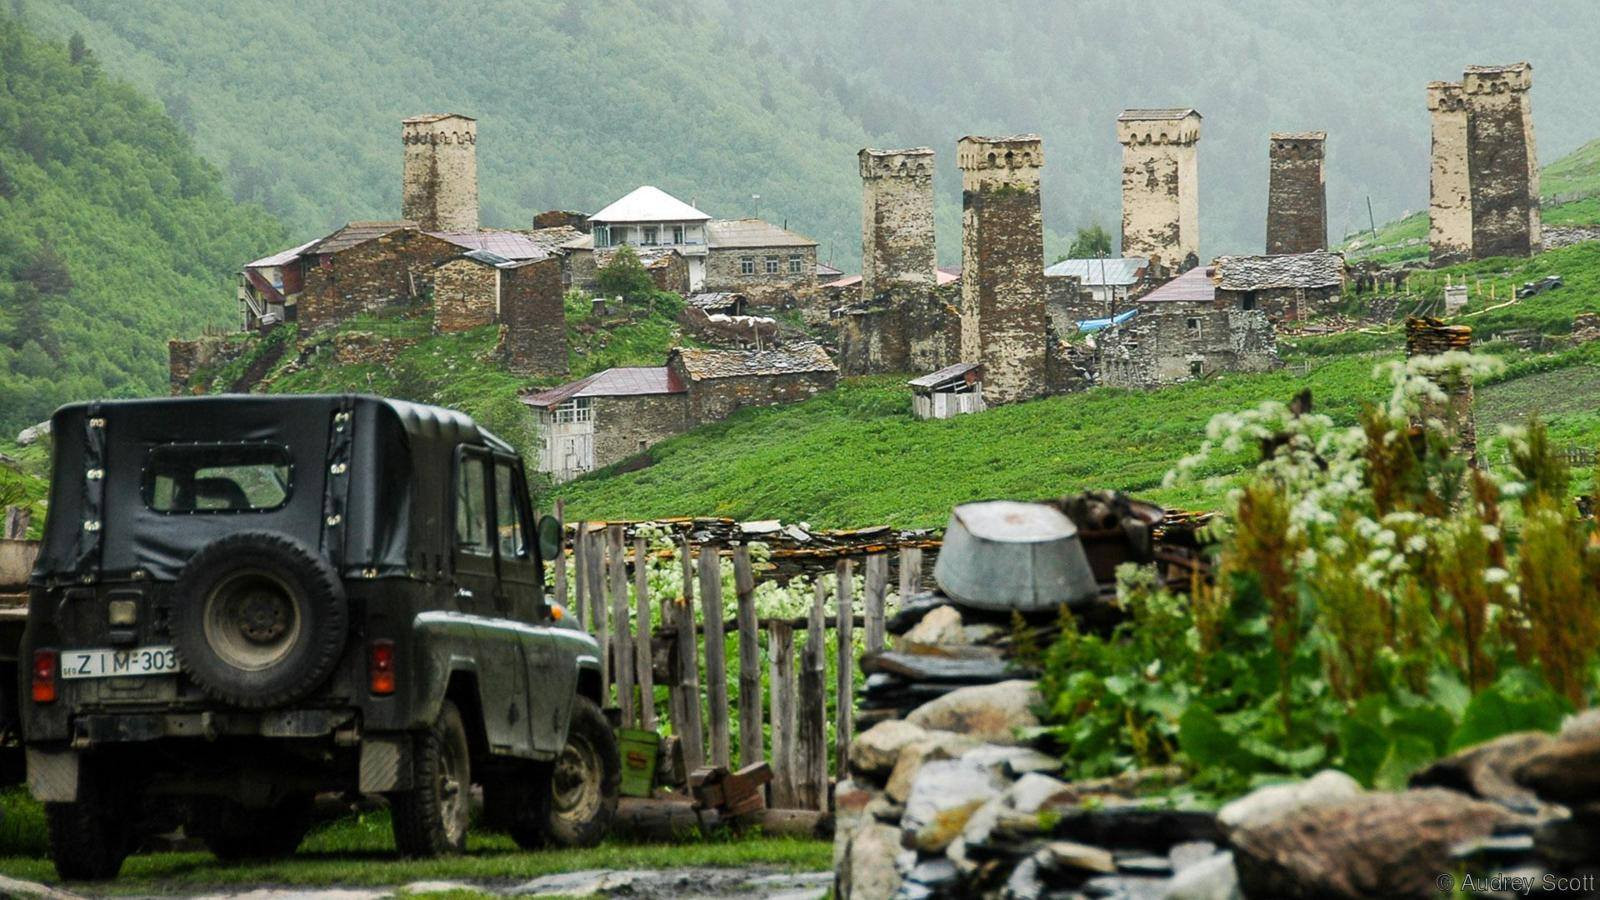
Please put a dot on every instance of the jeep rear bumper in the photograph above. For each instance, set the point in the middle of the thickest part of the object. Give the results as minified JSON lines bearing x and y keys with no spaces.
{"x":91,"y":729}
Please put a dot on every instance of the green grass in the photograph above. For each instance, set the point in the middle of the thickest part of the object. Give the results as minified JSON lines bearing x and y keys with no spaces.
{"x":360,"y":851}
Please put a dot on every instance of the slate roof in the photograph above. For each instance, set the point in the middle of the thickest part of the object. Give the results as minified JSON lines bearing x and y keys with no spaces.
{"x":1317,"y":269}
{"x":620,"y":382}
{"x":555,"y":238}
{"x":434,"y":117}
{"x":506,"y":244}
{"x":1121,"y":271}
{"x":706,"y":364}
{"x":1193,"y":286}
{"x":649,"y":204}
{"x":946,"y":375}
{"x":751,"y":233}
{"x":1150,"y":115}
{"x":715,"y":299}
{"x":353,"y":234}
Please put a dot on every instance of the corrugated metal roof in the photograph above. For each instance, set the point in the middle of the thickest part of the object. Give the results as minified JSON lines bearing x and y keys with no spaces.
{"x":506,"y":244}
{"x":1193,"y":286}
{"x":1120,"y":271}
{"x":704,"y":364}
{"x":751,"y":233}
{"x":355,"y":233}
{"x":1317,"y":269}
{"x":829,"y":272}
{"x":945,"y":375}
{"x":282,"y":257}
{"x":620,"y":382}
{"x":1149,"y":115}
{"x":649,"y":204}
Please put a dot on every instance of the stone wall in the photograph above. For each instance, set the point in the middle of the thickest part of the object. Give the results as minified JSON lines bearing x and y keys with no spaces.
{"x":1555,"y":237}
{"x":624,"y":426}
{"x":779,"y":290}
{"x":1002,"y":253}
{"x":1297,"y":199}
{"x":715,"y":399}
{"x":466,"y":293}
{"x":1179,"y":341}
{"x":669,"y":272}
{"x":439,"y":190}
{"x":1160,"y":190}
{"x":533,"y":324}
{"x":908,"y":328}
{"x":579,"y":270}
{"x":1284,"y":304}
{"x":1449,"y":187}
{"x":897,"y":244}
{"x":393,"y":270}
{"x":1431,"y":337}
{"x":1067,"y":303}
{"x":184,"y":358}
{"x":556,"y":218}
{"x":1502,"y":160}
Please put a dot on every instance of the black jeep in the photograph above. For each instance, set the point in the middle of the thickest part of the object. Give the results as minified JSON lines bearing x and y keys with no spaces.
{"x":245,"y":601}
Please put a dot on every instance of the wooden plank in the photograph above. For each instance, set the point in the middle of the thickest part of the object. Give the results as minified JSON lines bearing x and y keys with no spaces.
{"x":676,"y":714}
{"x":716,"y":655}
{"x":877,"y":583}
{"x":642,"y":662}
{"x":751,"y":743}
{"x":580,"y":579}
{"x":561,"y":555}
{"x":621,"y":640}
{"x":594,"y":557}
{"x":910,"y":572}
{"x":694,"y":740}
{"x":780,"y":653}
{"x":812,"y":766}
{"x":844,"y":675}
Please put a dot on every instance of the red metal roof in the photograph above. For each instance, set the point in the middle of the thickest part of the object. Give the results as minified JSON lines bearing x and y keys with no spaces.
{"x":622,"y":382}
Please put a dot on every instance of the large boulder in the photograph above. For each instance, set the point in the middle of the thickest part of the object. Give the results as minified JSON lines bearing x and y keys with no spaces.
{"x":989,"y":712}
{"x":1370,"y":845}
{"x":944,"y":796}
{"x":1485,"y":770}
{"x":1565,"y":770}
{"x":1213,"y":878}
{"x":1271,"y":802}
{"x":875,"y":751}
{"x":942,"y":625}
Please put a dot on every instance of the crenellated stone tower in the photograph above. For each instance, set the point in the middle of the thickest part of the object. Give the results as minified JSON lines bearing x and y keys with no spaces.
{"x":1449,"y":187}
{"x":1297,"y":197}
{"x":1002,"y":256}
{"x":1502,"y":160}
{"x":896,"y":219}
{"x":439,"y":190}
{"x":1160,"y":185}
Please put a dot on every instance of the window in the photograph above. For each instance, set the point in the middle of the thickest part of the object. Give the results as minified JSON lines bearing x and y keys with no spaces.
{"x":472,"y":506}
{"x":575,"y":410}
{"x":747,"y":265}
{"x":512,"y":530}
{"x":772,"y":265}
{"x":677,"y":234}
{"x":650,"y":235}
{"x":797,"y":264}
{"x":1248,"y":301}
{"x":602,"y":236}
{"x":1195,"y":368}
{"x":189,"y":478}
{"x":1192,"y":326}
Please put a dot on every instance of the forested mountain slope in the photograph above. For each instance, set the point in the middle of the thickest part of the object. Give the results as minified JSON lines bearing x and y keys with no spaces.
{"x":114,"y":233}
{"x":578,"y":102}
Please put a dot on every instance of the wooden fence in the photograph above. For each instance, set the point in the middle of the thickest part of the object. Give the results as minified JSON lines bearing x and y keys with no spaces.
{"x":672,"y":634}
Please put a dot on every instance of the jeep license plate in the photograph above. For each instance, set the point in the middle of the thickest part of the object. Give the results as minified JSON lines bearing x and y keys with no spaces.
{"x":118,"y":663}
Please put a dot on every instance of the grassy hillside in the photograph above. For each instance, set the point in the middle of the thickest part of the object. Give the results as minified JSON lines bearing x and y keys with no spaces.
{"x":114,"y":234}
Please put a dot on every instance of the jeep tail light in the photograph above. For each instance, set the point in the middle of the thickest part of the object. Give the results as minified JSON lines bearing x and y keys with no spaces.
{"x":380,"y":667}
{"x":46,"y":663}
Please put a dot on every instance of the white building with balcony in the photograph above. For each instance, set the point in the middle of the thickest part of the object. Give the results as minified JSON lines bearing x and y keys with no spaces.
{"x":652,"y":219}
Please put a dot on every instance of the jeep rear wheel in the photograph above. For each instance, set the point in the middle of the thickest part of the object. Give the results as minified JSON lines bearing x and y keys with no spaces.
{"x":260,"y":619}
{"x":584,"y":780}
{"x":91,"y":836}
{"x":431,"y":818}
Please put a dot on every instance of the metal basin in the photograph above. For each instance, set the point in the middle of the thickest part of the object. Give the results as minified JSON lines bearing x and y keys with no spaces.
{"x":1004,"y":555}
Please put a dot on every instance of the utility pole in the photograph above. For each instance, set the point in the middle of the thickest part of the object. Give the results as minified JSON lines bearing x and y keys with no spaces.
{"x":1371,"y":223}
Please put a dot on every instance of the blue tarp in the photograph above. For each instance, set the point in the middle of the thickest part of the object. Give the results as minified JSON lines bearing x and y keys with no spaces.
{"x":1090,"y":326}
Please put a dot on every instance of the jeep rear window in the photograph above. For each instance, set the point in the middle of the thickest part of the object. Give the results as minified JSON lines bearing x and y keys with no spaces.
{"x":208,"y":478}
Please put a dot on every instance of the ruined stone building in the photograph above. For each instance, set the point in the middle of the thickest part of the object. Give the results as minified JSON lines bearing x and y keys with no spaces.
{"x":721,"y":382}
{"x":1003,"y":322}
{"x":1160,"y":186}
{"x":1185,"y":329}
{"x":1081,"y":289}
{"x":1297,"y":195}
{"x":440,"y":183}
{"x":1287,"y":287}
{"x":1484,"y":176}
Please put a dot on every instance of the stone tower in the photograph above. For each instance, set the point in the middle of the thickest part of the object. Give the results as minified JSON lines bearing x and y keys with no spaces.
{"x":896,"y":219}
{"x":439,"y":190}
{"x":1160,"y":184}
{"x":1297,"y":197}
{"x":1002,"y":258}
{"x":1501,"y":160}
{"x":1449,"y":187}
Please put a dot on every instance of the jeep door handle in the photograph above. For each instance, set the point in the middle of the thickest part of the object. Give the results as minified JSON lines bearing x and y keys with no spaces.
{"x":463,"y":593}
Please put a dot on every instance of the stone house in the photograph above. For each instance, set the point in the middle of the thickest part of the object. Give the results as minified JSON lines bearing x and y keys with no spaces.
{"x":648,"y":219}
{"x":1185,"y":329}
{"x":722,"y":381}
{"x":1288,"y":287}
{"x":523,"y":295}
{"x":364,"y":267}
{"x":607,"y":417}
{"x":767,"y":263}
{"x":904,"y":328}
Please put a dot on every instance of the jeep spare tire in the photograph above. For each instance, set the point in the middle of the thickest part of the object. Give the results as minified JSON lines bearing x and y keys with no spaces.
{"x":258,"y":619}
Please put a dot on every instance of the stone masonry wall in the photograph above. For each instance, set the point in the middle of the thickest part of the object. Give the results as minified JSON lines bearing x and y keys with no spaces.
{"x":1160,"y":190}
{"x":395,"y":269}
{"x":1502,"y":160}
{"x":1002,"y":253}
{"x":1067,"y":303}
{"x":897,"y":244}
{"x":1449,"y":188}
{"x":714,"y":399}
{"x":1285,"y":304}
{"x":439,"y":188}
{"x":533,"y":325}
{"x":910,"y":329}
{"x":625,"y":425}
{"x":1177,"y":342}
{"x":465,"y":294}
{"x":723,"y":273}
{"x":1297,"y":199}
{"x":184,"y":358}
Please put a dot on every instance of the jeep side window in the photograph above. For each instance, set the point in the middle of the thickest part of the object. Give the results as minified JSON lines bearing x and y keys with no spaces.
{"x":508,"y":512}
{"x":472,"y":506}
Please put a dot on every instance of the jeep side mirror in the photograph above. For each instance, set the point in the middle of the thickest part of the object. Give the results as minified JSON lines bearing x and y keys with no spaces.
{"x":550,"y":537}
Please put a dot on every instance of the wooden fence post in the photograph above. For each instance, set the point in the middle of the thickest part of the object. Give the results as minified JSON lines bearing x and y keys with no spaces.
{"x":694,"y":740}
{"x":780,"y":651}
{"x":561,"y":553}
{"x":621,"y":640}
{"x":877,"y":583}
{"x":594,"y":558}
{"x":844,"y":678}
{"x":580,"y":579}
{"x":751,"y":743}
{"x":642,"y":661}
{"x":716,"y":655}
{"x":812,"y":784}
{"x":910,"y":572}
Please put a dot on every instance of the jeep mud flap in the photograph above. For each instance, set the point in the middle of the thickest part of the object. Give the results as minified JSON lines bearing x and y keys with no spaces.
{"x":53,"y":775}
{"x":385,"y":763}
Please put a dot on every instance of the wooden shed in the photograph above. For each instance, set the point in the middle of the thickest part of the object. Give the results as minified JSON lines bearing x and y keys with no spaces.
{"x":949,"y":392}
